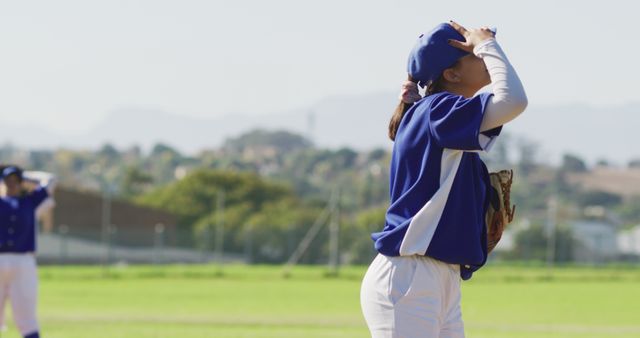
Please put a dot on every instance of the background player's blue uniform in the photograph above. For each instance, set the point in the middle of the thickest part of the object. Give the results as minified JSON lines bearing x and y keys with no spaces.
{"x":18,"y":271}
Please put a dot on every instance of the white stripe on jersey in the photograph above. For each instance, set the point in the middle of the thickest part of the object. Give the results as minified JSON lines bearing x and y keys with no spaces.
{"x":423,"y":225}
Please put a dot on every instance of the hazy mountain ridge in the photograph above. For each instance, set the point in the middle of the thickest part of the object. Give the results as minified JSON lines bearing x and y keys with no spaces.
{"x":358,"y":121}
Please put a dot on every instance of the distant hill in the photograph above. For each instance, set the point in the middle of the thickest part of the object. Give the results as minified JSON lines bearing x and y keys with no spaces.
{"x":358,"y":121}
{"x":611,"y":180}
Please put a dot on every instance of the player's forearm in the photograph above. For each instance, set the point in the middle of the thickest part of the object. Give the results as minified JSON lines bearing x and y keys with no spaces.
{"x":509,"y":98}
{"x":41,"y":178}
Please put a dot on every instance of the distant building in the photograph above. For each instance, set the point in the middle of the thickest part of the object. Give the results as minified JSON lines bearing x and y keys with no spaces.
{"x":629,"y":242}
{"x":507,"y":241}
{"x":595,"y":241}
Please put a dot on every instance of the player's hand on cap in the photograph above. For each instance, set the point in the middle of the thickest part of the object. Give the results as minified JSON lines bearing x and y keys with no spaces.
{"x":473,"y":37}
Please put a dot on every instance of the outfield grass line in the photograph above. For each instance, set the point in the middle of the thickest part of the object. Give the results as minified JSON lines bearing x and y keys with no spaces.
{"x":257,"y":302}
{"x":491,"y":274}
{"x":334,"y":322}
{"x":290,"y":321}
{"x":555,"y":328}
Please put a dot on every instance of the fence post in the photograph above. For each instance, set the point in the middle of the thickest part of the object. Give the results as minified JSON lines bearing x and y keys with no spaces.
{"x":113,"y":230}
{"x":158,"y":243}
{"x":205,"y":244}
{"x":248,"y":245}
{"x":63,"y":231}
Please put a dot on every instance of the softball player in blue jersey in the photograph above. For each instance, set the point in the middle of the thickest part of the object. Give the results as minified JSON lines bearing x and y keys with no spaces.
{"x":18,"y":275}
{"x":435,"y":232}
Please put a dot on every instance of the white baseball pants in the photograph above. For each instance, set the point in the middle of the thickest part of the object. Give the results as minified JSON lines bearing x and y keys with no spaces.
{"x":412,"y":297}
{"x":19,"y":284}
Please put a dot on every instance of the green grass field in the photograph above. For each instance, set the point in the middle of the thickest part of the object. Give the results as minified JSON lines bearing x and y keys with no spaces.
{"x":257,"y":301}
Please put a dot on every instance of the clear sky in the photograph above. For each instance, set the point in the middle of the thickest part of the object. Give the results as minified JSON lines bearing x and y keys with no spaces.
{"x":65,"y":64}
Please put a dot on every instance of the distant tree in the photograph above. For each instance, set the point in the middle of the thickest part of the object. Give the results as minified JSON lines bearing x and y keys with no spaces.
{"x":357,"y":237}
{"x":195,"y":195}
{"x":6,"y":153}
{"x":161,"y":149}
{"x":345,"y":157}
{"x":377,"y":154}
{"x":135,"y":182}
{"x":41,"y":160}
{"x":162,"y":162}
{"x":602,"y":198}
{"x":133,"y":154}
{"x":572,"y":163}
{"x":531,"y":244}
{"x":282,"y":141}
{"x":67,"y":165}
{"x":635,"y":163}
{"x":629,"y":210}
{"x":273,"y":233}
{"x":528,"y":152}
{"x":109,"y":151}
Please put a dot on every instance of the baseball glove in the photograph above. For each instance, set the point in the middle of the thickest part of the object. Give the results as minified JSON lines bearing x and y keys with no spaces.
{"x":500,"y":212}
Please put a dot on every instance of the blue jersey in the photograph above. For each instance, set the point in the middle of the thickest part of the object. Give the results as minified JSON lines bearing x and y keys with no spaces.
{"x":439,"y":184}
{"x":18,"y":221}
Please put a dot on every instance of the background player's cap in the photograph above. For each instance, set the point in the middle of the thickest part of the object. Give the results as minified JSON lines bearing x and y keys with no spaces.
{"x":432,"y":54}
{"x":11,"y":170}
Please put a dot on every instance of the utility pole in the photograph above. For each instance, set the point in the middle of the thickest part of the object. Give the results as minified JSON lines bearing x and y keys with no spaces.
{"x":552,"y":210}
{"x":334,"y":234}
{"x":106,"y":223}
{"x":309,"y":236}
{"x":219,"y":240}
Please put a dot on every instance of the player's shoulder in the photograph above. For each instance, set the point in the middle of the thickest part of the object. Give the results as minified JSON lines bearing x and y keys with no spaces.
{"x":434,"y":103}
{"x":445,"y":96}
{"x":447,"y":103}
{"x":438,"y":101}
{"x":446,"y":99}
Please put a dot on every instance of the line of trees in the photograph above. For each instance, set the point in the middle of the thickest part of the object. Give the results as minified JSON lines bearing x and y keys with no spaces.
{"x":277,"y":183}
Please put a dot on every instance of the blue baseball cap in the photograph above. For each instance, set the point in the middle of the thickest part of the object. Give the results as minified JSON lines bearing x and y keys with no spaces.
{"x":432,"y":54}
{"x":11,"y":170}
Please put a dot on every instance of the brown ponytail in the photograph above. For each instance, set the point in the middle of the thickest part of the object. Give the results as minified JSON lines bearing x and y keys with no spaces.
{"x":396,"y":118}
{"x":432,"y":88}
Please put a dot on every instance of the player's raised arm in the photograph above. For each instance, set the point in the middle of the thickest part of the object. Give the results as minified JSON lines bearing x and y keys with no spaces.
{"x":509,"y":99}
{"x":42,"y":179}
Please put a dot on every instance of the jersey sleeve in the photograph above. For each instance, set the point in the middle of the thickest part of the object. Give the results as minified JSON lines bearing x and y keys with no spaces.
{"x":38,"y":196}
{"x":454,"y":122}
{"x":488,"y":138}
